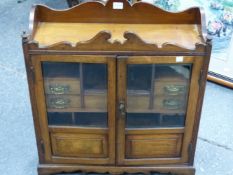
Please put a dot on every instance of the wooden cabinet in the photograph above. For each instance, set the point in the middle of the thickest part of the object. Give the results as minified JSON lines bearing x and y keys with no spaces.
{"x":116,"y":87}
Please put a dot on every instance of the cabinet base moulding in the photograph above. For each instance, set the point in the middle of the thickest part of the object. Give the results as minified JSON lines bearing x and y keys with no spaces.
{"x":49,"y":169}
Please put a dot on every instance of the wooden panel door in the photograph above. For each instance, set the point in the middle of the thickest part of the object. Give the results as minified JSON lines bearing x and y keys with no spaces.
{"x":76,"y":107}
{"x":157,"y":98}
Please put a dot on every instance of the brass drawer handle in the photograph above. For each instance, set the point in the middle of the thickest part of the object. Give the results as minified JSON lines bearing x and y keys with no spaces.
{"x":59,"y":103}
{"x":171,"y":104}
{"x":174,"y":89}
{"x":59,"y":89}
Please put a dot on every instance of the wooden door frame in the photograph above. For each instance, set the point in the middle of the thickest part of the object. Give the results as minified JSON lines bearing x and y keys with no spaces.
{"x":191,"y":108}
{"x":42,"y":113}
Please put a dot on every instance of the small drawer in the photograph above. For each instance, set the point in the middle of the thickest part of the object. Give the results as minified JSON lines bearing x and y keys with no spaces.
{"x":151,"y":146}
{"x":63,"y":101}
{"x":79,"y":145}
{"x":163,"y":87}
{"x":62,"y":86}
{"x":95,"y":99}
{"x":137,"y":101}
{"x":169,"y":103}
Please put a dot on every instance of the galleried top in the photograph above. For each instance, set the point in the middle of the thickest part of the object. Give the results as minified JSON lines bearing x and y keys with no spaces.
{"x":102,"y":26}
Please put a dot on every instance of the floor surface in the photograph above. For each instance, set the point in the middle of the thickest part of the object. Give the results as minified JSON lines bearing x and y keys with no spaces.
{"x":18,"y":153}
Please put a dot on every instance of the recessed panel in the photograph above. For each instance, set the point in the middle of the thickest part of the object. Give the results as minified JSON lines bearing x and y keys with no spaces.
{"x":79,"y":145}
{"x":153,"y":146}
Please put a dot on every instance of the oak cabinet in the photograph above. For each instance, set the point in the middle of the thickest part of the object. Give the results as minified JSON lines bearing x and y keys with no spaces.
{"x":116,"y":91}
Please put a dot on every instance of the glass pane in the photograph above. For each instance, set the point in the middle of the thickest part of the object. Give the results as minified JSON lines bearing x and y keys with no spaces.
{"x":78,"y":119}
{"x":154,"y":120}
{"x":95,"y":76}
{"x":139,"y":77}
{"x":157,"y":95}
{"x":76,"y":93}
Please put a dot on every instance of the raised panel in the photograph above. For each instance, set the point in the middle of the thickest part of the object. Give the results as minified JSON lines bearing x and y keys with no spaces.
{"x":79,"y":145}
{"x":153,"y":146}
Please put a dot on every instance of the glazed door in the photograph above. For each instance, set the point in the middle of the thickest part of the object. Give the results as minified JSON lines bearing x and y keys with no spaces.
{"x":76,"y":108}
{"x":156,"y":101}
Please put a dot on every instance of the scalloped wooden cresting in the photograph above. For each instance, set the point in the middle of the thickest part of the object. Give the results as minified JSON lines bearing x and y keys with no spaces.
{"x":151,"y":24}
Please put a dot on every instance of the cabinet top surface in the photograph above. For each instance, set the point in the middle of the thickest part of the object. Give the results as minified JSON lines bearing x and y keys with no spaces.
{"x":183,"y":35}
{"x":146,"y":22}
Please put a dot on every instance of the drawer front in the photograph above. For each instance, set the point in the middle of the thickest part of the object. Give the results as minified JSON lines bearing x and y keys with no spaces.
{"x":62,"y":86}
{"x":138,"y":102}
{"x":79,"y":145}
{"x":169,"y":103}
{"x":63,"y":101}
{"x":151,"y":146}
{"x":170,"y":87}
{"x":95,"y":101}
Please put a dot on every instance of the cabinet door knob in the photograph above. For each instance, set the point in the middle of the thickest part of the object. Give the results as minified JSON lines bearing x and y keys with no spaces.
{"x":122,"y":108}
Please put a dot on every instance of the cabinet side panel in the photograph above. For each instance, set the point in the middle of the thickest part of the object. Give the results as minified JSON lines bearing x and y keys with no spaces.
{"x":30,"y":78}
{"x":203,"y":79}
{"x":191,"y":108}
